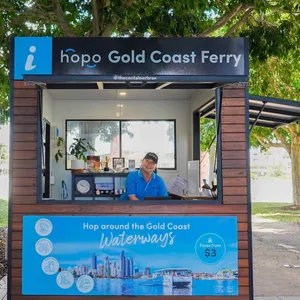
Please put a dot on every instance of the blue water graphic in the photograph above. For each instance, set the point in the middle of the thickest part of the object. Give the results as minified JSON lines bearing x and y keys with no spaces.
{"x":144,"y":287}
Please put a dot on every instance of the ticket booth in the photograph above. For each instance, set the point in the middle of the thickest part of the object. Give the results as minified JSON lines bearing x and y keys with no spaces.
{"x":71,"y":236}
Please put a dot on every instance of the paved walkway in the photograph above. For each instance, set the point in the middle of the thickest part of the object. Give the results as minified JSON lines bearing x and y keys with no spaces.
{"x":3,"y":292}
{"x":278,"y":298}
{"x":3,"y":288}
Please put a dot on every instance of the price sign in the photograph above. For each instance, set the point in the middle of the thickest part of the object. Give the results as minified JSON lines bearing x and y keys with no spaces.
{"x":210,"y":248}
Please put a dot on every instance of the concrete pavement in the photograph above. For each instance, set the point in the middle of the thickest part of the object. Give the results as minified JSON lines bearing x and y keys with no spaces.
{"x":278,"y":298}
{"x":3,"y":288}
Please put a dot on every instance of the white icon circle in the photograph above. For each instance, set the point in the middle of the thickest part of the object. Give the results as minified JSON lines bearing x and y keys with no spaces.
{"x":43,"y":247}
{"x":43,"y":227}
{"x":64,"y":279}
{"x":32,"y":49}
{"x":50,"y":265}
{"x":85,"y":283}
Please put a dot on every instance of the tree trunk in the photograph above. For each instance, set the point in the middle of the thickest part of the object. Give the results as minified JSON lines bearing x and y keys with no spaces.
{"x":295,"y":160}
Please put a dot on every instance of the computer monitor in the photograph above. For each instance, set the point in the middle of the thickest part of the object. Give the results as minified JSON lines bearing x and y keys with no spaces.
{"x":147,"y":198}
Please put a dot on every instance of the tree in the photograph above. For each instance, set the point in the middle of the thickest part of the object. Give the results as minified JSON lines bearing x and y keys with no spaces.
{"x":272,"y":27}
{"x":3,"y":153}
{"x":282,"y":79}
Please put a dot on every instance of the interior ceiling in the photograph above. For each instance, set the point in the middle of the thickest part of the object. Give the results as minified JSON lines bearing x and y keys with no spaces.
{"x":132,"y":94}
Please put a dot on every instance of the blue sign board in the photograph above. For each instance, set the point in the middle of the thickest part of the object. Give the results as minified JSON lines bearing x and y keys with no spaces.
{"x":33,"y":55}
{"x":84,"y":255}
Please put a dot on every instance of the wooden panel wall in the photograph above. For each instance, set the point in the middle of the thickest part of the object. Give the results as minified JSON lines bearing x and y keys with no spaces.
{"x":24,"y":191}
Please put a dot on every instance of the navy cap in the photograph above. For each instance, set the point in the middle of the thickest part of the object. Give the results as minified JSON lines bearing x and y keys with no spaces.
{"x":152,"y":156}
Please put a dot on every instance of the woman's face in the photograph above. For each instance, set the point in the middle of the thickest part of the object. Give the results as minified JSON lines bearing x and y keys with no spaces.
{"x":148,"y":165}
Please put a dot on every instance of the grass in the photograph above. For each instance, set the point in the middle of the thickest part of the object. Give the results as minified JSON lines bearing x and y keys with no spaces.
{"x":277,"y":211}
{"x":3,"y":213}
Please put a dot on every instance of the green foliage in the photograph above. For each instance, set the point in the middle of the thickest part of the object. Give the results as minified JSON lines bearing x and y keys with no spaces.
{"x":3,"y":153}
{"x":270,"y":40}
{"x":77,"y":149}
{"x":282,"y":212}
{"x":3,"y":213}
{"x":272,"y":27}
{"x":207,"y":133}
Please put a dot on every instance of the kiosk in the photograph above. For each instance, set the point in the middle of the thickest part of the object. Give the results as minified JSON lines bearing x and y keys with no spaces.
{"x":67,"y":247}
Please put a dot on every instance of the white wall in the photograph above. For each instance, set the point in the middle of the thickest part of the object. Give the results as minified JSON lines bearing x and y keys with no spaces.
{"x":47,"y":114}
{"x":47,"y":106}
{"x":132,"y":109}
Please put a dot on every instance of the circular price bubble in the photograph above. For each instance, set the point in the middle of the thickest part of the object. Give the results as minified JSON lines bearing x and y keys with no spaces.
{"x":210,"y":248}
{"x":43,"y":227}
{"x":85,"y":283}
{"x":64,"y":279}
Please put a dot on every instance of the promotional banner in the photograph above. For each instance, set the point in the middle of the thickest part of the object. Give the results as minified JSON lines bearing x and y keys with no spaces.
{"x":148,"y":255}
{"x":131,"y":59}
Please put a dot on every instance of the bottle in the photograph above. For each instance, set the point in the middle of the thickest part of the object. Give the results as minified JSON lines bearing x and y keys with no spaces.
{"x":206,"y":189}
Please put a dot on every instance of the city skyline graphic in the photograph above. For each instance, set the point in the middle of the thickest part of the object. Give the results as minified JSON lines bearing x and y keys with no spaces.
{"x":138,"y":249}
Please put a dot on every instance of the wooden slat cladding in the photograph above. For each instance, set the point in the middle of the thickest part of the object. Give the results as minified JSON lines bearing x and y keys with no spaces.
{"x":233,"y":110}
{"x":234,"y":154}
{"x":25,"y":146}
{"x":235,"y":181}
{"x":25,"y":128}
{"x":25,"y":93}
{"x":21,"y":199}
{"x":25,"y":120}
{"x":160,"y":209}
{"x":227,"y":102}
{"x":26,"y":173}
{"x":233,"y":137}
{"x":234,"y":166}
{"x":25,"y":101}
{"x":241,"y":199}
{"x":233,"y":146}
{"x":234,"y":173}
{"x":25,"y":164}
{"x":23,"y":85}
{"x":234,"y":163}
{"x":24,"y":189}
{"x":233,"y":119}
{"x":25,"y":111}
{"x":24,"y":182}
{"x":24,"y":154}
{"x":25,"y":137}
{"x":234,"y":92}
{"x":233,"y":128}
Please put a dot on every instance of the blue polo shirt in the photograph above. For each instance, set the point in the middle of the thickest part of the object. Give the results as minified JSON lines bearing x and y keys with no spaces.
{"x":137,"y":185}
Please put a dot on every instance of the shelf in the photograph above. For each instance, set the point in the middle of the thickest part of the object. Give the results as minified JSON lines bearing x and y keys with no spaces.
{"x":117,"y":180}
{"x":84,"y":196}
{"x":102,"y":174}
